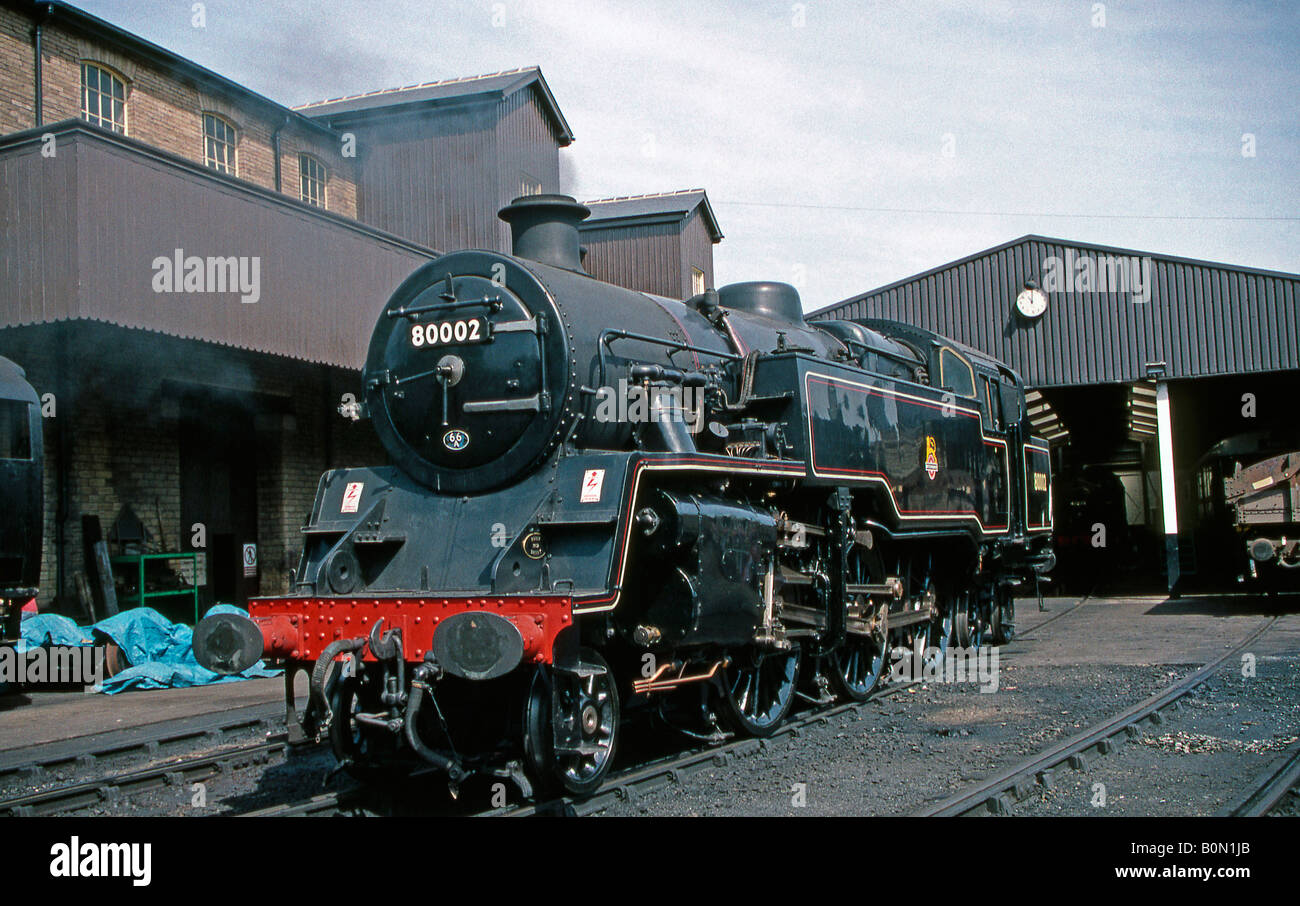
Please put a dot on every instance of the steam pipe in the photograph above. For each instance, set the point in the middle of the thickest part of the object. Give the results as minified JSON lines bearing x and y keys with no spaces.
{"x":333,"y":650}
{"x":275,"y":147}
{"x":38,"y":88}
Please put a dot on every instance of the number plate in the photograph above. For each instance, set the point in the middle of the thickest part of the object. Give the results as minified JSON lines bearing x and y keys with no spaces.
{"x":450,"y":333}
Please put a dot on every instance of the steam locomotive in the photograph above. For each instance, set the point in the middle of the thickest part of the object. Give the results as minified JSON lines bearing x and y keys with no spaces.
{"x":1248,"y":503}
{"x":602,"y":501}
{"x":21,"y":525}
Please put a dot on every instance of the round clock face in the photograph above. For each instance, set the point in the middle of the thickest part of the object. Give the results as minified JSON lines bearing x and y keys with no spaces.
{"x":1031,"y":303}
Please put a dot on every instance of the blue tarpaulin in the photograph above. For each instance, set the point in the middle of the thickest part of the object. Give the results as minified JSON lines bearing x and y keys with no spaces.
{"x":159,"y":650}
{"x":51,"y":629}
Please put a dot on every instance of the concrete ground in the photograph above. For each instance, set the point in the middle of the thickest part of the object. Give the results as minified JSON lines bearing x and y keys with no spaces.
{"x":36,"y":717}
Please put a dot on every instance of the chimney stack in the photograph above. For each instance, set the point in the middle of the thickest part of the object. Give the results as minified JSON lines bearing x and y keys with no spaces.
{"x":544,"y":228}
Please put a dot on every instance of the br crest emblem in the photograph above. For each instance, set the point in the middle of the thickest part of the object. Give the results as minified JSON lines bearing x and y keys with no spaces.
{"x":931,"y":457}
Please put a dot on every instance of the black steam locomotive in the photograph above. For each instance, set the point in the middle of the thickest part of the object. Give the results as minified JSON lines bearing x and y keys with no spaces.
{"x":21,"y":524}
{"x":1248,"y":503}
{"x":602,"y":500}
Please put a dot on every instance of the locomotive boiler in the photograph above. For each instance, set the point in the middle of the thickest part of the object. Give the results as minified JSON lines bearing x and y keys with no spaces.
{"x":602,"y":501}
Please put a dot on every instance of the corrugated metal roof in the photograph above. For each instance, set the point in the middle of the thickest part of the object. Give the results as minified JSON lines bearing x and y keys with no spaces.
{"x":391,"y":100}
{"x":1199,"y":318}
{"x":679,"y":205}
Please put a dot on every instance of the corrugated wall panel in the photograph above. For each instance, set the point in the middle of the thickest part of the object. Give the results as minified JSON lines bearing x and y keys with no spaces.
{"x":526,"y":144}
{"x":646,"y":257}
{"x":1201,"y":318}
{"x":86,"y":249}
{"x":696,"y":251}
{"x":38,"y":232}
{"x":433,"y":178}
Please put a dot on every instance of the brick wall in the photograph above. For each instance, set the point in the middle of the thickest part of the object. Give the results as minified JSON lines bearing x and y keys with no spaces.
{"x":163,"y":109}
{"x":17,"y":65}
{"x":123,"y":425}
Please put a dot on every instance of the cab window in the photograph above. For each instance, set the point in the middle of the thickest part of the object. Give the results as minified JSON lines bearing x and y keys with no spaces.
{"x":955,"y":373}
{"x":994,"y":400}
{"x":1010,"y":404}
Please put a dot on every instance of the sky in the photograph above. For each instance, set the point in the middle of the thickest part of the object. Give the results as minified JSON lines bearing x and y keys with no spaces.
{"x":848,"y":145}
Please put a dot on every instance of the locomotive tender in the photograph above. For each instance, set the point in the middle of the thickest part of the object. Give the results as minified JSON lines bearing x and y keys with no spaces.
{"x":603,"y":501}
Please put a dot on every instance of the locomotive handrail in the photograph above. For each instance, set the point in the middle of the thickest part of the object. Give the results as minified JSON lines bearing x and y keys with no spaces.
{"x":493,"y":302}
{"x":610,"y":334}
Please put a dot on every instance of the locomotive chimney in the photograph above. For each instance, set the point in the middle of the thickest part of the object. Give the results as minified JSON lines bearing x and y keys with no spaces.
{"x":544,"y":228}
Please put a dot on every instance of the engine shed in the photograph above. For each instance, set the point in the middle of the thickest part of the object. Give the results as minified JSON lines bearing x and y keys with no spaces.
{"x":1139,"y":364}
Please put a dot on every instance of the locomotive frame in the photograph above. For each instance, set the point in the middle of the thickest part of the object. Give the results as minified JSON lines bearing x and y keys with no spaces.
{"x":529,"y":570}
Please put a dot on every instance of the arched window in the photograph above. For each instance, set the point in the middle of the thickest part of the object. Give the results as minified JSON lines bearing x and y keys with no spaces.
{"x":219,"y":140}
{"x":313,"y":178}
{"x":103,"y":97}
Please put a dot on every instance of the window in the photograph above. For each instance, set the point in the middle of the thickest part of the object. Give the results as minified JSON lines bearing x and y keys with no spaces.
{"x":15,"y":430}
{"x":314,"y":177}
{"x":994,"y":399}
{"x":103,"y":98}
{"x":697,"y":281}
{"x":218,"y":144}
{"x":955,"y":373}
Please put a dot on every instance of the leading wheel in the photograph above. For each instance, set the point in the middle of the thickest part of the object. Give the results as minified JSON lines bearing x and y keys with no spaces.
{"x":758,"y":689}
{"x":571,"y":725}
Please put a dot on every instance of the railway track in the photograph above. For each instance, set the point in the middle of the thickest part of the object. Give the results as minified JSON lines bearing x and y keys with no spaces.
{"x":1053,"y":618}
{"x":647,"y":778}
{"x":32,"y":764}
{"x":112,"y":788}
{"x":625,"y":786}
{"x":620,"y":787}
{"x":1269,"y":790}
{"x":997,"y":794}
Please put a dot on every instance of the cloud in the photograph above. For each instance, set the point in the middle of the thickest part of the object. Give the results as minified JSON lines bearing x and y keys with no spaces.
{"x":848,"y":105}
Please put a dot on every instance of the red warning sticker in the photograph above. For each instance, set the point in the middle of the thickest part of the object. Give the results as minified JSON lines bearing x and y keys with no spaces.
{"x":352,"y":497}
{"x":592,"y":481}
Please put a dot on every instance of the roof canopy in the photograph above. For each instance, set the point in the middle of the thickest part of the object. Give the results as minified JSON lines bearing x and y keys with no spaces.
{"x":392,"y":101}
{"x":646,"y":208}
